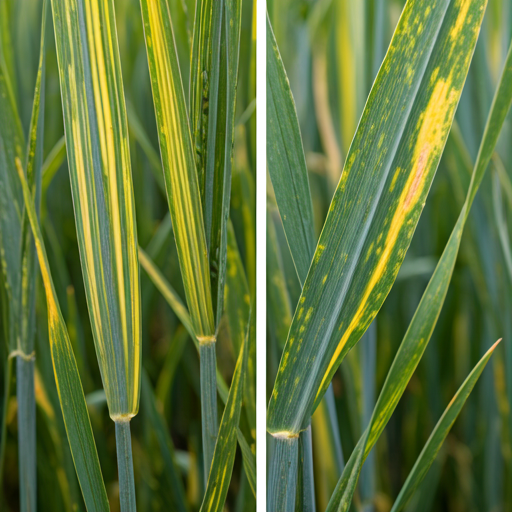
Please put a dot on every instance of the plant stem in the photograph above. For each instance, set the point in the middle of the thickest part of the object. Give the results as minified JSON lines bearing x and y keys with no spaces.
{"x":26,"y":432}
{"x":7,"y":394}
{"x":306,"y":482}
{"x":210,"y":426}
{"x":282,"y":478}
{"x":125,"y":467}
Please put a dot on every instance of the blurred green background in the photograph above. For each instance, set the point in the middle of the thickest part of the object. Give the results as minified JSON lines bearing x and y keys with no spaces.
{"x":168,"y":354}
{"x":332,"y":51}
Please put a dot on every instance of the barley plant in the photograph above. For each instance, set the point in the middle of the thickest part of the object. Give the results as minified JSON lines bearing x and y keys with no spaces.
{"x":409,"y":307}
{"x":128,"y":279}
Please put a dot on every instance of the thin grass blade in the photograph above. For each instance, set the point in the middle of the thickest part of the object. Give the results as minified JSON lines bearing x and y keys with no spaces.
{"x":174,"y":301}
{"x":25,"y":362}
{"x":436,"y":439}
{"x":249,"y":459}
{"x":52,"y":163}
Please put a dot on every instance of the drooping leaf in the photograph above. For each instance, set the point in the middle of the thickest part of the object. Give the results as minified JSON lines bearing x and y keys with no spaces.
{"x":67,"y":378}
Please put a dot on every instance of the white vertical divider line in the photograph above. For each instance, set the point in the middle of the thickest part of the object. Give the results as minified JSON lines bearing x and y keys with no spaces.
{"x":261,"y":257}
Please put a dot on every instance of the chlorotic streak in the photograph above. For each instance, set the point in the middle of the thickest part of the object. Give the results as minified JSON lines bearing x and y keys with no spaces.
{"x":432,"y":129}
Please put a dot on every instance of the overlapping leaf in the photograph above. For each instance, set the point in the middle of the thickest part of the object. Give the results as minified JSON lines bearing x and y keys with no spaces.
{"x":100,"y":171}
{"x":379,"y":199}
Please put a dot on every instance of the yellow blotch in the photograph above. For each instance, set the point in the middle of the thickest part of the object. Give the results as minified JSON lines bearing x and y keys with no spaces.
{"x":461,"y":18}
{"x":395,"y":178}
{"x":318,"y":253}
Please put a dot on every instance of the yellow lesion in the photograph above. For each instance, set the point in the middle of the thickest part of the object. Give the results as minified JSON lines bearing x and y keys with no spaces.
{"x":98,"y":25}
{"x":432,"y":128}
{"x":458,"y":26}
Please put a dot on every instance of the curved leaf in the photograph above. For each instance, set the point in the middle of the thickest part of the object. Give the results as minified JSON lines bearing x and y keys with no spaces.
{"x":67,"y":378}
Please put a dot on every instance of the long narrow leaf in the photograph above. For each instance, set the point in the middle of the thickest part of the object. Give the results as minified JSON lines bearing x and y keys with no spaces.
{"x":26,"y":359}
{"x":436,"y":439}
{"x":99,"y":166}
{"x":286,"y":162}
{"x":179,"y":165}
{"x":67,"y":378}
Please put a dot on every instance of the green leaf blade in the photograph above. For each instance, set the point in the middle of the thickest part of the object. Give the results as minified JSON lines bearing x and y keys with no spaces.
{"x":286,"y":162}
{"x":436,"y":439}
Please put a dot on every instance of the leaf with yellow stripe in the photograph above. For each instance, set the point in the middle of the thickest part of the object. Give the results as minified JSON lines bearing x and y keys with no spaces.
{"x":378,"y":201}
{"x":100,"y":170}
{"x":179,"y":165}
{"x":67,"y":379}
{"x":183,"y":195}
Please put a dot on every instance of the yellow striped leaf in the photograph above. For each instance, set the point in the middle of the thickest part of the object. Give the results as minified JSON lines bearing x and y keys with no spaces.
{"x":100,"y":171}
{"x":378,"y":201}
{"x":178,"y":161}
